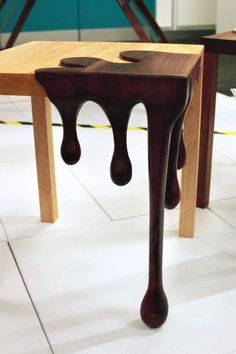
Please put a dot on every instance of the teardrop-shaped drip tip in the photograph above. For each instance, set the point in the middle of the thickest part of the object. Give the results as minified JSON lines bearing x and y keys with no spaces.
{"x":70,"y":151}
{"x":121,"y":169}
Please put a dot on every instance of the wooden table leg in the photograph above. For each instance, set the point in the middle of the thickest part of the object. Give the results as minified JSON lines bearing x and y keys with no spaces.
{"x":117,"y":91}
{"x":154,"y":307}
{"x":41,"y":112}
{"x":207,"y":128}
{"x":190,"y":170}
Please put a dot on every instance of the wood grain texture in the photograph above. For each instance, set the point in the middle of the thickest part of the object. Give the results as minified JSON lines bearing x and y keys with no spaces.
{"x":164,"y":83}
{"x":207,"y":128}
{"x":44,"y":158}
{"x":220,"y":43}
{"x":190,"y":171}
{"x":17,"y":77}
{"x":18,"y":64}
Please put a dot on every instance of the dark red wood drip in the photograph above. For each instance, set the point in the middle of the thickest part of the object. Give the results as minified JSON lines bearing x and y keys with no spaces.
{"x":121,"y":168}
{"x":176,"y":161}
{"x":163,"y":83}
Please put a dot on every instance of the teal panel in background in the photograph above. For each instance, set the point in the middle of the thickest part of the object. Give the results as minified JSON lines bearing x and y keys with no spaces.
{"x":53,"y":15}
{"x":46,"y":15}
{"x":50,"y":15}
{"x":104,"y":14}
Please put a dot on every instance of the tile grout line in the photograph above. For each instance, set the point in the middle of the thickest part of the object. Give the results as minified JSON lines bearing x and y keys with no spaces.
{"x":58,"y":231}
{"x":4,"y":229}
{"x":231,"y":160}
{"x":221,"y":218}
{"x":224,"y":154}
{"x":89,"y":193}
{"x":91,"y":196}
{"x":221,"y":199}
{"x":31,"y":300}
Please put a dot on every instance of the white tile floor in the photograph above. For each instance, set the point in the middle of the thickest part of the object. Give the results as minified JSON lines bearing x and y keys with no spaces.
{"x":76,"y":286}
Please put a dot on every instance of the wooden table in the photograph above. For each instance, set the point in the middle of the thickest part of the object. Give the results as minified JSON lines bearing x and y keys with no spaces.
{"x":169,"y":85}
{"x":223,"y":43}
{"x":17,"y":77}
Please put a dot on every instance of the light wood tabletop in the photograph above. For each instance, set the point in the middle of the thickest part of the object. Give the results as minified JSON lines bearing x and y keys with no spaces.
{"x":17,"y":77}
{"x":18,"y":64}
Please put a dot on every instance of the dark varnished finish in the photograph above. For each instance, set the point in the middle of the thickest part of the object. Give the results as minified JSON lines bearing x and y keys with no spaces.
{"x":139,"y":16}
{"x":176,"y":161}
{"x":163,"y":82}
{"x":207,"y":128}
{"x":221,"y":43}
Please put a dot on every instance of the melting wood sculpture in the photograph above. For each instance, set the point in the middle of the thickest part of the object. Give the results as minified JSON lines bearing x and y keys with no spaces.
{"x":164,"y":83}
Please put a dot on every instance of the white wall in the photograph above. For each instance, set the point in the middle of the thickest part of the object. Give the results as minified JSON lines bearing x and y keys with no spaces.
{"x":196,"y":13}
{"x":226,"y":15}
{"x":164,"y":12}
{"x":186,"y":13}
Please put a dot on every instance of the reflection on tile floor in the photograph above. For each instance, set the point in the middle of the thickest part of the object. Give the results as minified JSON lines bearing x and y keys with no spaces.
{"x":75,"y":286}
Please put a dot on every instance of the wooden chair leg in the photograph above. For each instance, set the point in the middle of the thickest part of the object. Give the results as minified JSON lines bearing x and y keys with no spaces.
{"x":44,"y":158}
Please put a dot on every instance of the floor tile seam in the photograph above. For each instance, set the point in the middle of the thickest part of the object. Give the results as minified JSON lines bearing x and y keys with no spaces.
{"x":218,"y":200}
{"x":227,"y":236}
{"x":25,"y":99}
{"x":231,"y":160}
{"x":91,"y":196}
{"x":221,"y":116}
{"x":5,"y":98}
{"x":15,"y":160}
{"x":4,"y":230}
{"x":15,"y":106}
{"x":20,"y":98}
{"x":177,"y":305}
{"x":23,"y":112}
{"x":226,"y":117}
{"x":222,"y":219}
{"x":30,"y":297}
{"x":212,"y":201}
{"x":32,"y":236}
{"x":130,"y":217}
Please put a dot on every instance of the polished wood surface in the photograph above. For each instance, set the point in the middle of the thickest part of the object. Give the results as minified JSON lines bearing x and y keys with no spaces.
{"x":164,"y":83}
{"x":166,"y":93}
{"x":18,"y":65}
{"x":189,"y":178}
{"x":41,"y":113}
{"x":207,"y":128}
{"x":222,"y":43}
